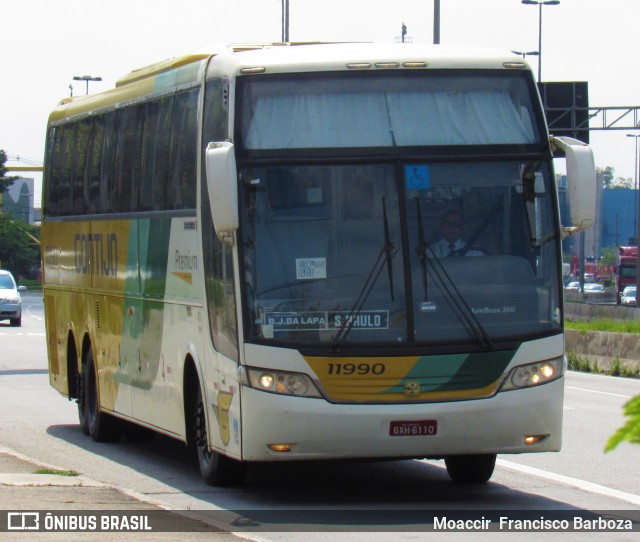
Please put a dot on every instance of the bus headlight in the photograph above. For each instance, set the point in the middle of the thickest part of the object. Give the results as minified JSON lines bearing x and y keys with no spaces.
{"x":283,"y":383}
{"x":535,"y":374}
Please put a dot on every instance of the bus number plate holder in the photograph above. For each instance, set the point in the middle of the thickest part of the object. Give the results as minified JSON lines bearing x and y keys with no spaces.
{"x":418,"y":428}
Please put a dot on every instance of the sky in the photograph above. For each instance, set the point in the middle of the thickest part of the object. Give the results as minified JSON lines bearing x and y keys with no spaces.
{"x":45,"y":43}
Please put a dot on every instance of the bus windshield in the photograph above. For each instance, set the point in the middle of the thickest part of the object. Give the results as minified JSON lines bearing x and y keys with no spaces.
{"x":351,"y":254}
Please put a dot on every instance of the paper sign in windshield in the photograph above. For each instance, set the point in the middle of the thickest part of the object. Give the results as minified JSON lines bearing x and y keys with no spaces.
{"x":311,"y":268}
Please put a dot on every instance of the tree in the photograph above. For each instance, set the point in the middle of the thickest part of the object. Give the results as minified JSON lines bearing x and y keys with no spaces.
{"x":19,"y":253}
{"x":607,"y":176}
{"x":5,"y":182}
{"x":630,"y":431}
{"x":621,"y":183}
{"x":609,"y":256}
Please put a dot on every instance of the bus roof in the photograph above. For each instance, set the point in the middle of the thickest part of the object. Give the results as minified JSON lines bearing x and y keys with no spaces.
{"x":343,"y":56}
{"x":317,"y":55}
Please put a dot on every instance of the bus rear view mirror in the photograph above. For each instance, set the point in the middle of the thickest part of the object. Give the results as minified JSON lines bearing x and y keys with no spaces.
{"x":223,"y":188}
{"x":581,"y":183}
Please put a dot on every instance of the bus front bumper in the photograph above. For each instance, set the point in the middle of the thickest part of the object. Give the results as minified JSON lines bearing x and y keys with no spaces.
{"x":317,"y":429}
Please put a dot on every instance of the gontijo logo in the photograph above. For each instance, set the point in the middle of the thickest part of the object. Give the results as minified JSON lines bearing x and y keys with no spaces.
{"x":96,"y":253}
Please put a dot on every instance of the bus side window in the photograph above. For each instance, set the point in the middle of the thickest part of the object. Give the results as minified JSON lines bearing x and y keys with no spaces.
{"x":52,"y":172}
{"x":184,"y":151}
{"x":95,"y":154}
{"x":156,"y":147}
{"x":64,"y":171}
{"x":83,"y":135}
{"x":129,"y":144}
{"x":218,"y":263}
{"x":108,"y":166}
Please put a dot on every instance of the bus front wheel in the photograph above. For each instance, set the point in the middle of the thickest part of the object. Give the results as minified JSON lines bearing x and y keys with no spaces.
{"x":216,"y":469}
{"x":470,"y":469}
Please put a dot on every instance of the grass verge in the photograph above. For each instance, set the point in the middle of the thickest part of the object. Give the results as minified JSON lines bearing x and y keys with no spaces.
{"x":608,"y":325}
{"x":58,"y":472}
{"x":585,"y":365}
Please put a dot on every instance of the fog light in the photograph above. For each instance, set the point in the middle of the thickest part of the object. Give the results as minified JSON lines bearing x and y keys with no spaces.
{"x":280,"y":447}
{"x":534,"y":439}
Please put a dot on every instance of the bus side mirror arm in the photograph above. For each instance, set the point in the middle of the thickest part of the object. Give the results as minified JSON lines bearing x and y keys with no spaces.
{"x":581,"y":183}
{"x":222,"y":185}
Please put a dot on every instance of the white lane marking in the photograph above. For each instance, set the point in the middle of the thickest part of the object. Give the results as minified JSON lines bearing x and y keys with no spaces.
{"x":600,"y":392}
{"x":574,"y":482}
{"x":21,"y":334}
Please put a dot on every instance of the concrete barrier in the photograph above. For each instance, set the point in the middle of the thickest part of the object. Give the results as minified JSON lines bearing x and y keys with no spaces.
{"x":593,"y":311}
{"x":602,"y":347}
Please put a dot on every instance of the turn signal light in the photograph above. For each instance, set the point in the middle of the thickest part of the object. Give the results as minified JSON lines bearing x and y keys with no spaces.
{"x":279,"y":447}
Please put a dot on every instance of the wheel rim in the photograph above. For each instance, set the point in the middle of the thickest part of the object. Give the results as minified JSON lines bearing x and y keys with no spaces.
{"x":201,"y":432}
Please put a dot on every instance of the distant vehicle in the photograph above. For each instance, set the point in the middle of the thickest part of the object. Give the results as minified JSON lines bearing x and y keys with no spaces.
{"x":592,"y":288}
{"x":625,"y":272}
{"x":10,"y":300}
{"x":572,"y":287}
{"x":628,"y":296}
{"x":628,"y":289}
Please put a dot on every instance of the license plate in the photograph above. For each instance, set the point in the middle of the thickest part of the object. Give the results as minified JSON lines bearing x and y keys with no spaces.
{"x":420,"y":428}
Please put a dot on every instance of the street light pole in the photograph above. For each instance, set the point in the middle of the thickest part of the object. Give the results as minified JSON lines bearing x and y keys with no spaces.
{"x":540,"y":4}
{"x":285,"y":21}
{"x":86,"y":78}
{"x":635,"y":187}
{"x":436,"y":22}
{"x":636,"y":222}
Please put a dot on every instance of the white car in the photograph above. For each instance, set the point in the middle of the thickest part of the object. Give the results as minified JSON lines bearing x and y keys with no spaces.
{"x":628,"y":296}
{"x":572,"y":287}
{"x":10,"y":300}
{"x":593,"y":288}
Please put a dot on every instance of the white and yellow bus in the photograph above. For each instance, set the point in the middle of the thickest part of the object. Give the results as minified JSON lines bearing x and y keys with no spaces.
{"x":240,"y":252}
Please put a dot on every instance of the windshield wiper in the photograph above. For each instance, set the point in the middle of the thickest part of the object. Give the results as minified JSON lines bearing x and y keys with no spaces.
{"x":457,"y":302}
{"x":447,"y":286}
{"x":421,"y":250}
{"x":386,"y":254}
{"x":388,"y":247}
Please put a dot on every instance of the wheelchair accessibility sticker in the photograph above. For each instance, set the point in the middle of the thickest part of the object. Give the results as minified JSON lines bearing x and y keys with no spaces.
{"x":417,"y":176}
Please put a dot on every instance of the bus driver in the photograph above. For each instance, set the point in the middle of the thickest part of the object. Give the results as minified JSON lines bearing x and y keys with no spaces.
{"x":451,"y":242}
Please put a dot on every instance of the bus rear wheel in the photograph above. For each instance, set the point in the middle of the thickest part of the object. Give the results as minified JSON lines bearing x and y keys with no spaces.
{"x":216,"y":469}
{"x":470,"y":469}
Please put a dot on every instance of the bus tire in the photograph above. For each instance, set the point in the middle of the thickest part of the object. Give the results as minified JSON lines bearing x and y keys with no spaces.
{"x":82,"y":402}
{"x":101,"y":426}
{"x":470,"y":469}
{"x":216,"y":469}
